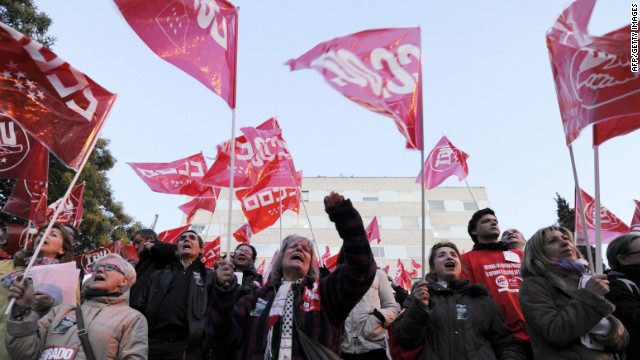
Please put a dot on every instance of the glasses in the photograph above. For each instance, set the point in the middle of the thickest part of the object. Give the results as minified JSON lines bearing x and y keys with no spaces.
{"x":107,"y":267}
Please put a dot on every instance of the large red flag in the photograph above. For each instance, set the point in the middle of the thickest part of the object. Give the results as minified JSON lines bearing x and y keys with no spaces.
{"x":261,"y":206}
{"x":210,"y":253}
{"x":414,"y":268}
{"x":178,"y":177}
{"x":270,"y":153}
{"x":200,"y":203}
{"x":171,"y":235}
{"x":62,"y":107}
{"x":373,"y":232}
{"x":635,"y":222}
{"x":611,"y":225}
{"x":129,"y":252}
{"x":443,"y":161}
{"x":72,"y":209}
{"x":243,"y":234}
{"x":403,"y":277}
{"x":29,"y":201}
{"x":88,"y":259}
{"x":198,"y":37}
{"x":378,"y":69}
{"x":21,"y":155}
{"x":594,"y":80}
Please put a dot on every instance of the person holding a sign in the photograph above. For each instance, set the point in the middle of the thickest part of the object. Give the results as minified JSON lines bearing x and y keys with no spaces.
{"x":115,"y":331}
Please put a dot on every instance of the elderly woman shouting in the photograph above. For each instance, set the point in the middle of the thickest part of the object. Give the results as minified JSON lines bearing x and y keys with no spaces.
{"x":565,"y":309}
{"x":114,"y":330}
{"x":280,"y":320}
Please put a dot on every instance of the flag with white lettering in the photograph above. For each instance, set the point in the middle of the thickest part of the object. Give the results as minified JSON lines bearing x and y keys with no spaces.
{"x":60,"y":106}
{"x":403,"y":277}
{"x":414,"y":268}
{"x":200,"y":203}
{"x":260,"y":268}
{"x":443,"y":161}
{"x":198,"y":37}
{"x":378,"y":69}
{"x":611,"y":226}
{"x":171,"y":236}
{"x":635,"y":222}
{"x":87,"y":260}
{"x":263,"y":206}
{"x":22,"y":156}
{"x":177,"y":177}
{"x":211,"y":253}
{"x":71,"y":211}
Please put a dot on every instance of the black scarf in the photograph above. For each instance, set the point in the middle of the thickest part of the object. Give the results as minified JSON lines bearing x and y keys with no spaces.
{"x":89,"y":293}
{"x":491,"y":246}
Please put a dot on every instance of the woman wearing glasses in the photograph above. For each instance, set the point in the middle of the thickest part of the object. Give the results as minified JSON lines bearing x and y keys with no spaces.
{"x":115,"y":331}
{"x":244,"y":261}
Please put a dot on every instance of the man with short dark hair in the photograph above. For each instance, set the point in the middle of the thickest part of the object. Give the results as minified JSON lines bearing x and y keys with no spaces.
{"x":175,"y":304}
{"x":514,"y":239}
{"x":244,"y":260}
{"x":492,"y":264}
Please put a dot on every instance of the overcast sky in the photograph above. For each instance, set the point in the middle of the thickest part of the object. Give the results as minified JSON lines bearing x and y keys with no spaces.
{"x":487,"y":86}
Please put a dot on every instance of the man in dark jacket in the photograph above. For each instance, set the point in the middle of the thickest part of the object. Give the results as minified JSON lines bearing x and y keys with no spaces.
{"x":153,"y":255}
{"x":175,"y":303}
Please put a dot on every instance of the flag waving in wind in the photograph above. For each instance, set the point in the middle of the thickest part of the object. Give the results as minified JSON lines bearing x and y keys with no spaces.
{"x":373,"y":231}
{"x":378,"y":69}
{"x":635,"y":222}
{"x":611,"y":225}
{"x":199,"y":37}
{"x":443,"y":161}
{"x":177,"y":177}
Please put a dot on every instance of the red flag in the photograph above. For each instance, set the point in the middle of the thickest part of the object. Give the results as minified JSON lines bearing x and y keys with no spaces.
{"x":271,"y":153}
{"x":19,"y":236}
{"x":373,"y":232}
{"x":260,"y":268}
{"x":29,"y":201}
{"x":199,"y":203}
{"x":219,"y":174}
{"x":326,"y":256}
{"x":611,"y":225}
{"x":130,"y":253}
{"x":386,"y":269}
{"x":88,"y":259}
{"x":210,"y":253}
{"x":171,"y":236}
{"x":594,"y":80}
{"x":443,"y":161}
{"x":414,"y":268}
{"x":72,"y":209}
{"x":21,"y":155}
{"x":243,"y":234}
{"x":403,"y":277}
{"x":53,"y":101}
{"x":332,"y":263}
{"x":267,"y":276}
{"x":261,"y":206}
{"x":378,"y":69}
{"x":198,"y":37}
{"x":178,"y":177}
{"x":635,"y":222}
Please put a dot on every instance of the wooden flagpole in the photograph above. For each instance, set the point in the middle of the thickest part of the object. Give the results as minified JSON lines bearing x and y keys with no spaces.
{"x":597,"y":214}
{"x":581,"y":208}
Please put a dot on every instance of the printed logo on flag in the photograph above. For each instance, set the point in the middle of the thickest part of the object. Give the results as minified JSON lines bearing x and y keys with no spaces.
{"x":445,"y":159}
{"x":174,"y":21}
{"x":607,"y":222}
{"x":14,"y":143}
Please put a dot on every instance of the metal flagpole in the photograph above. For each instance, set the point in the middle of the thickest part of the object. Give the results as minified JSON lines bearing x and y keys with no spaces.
{"x":313,"y":237}
{"x":422,"y":165}
{"x":280,"y":219}
{"x":153,"y":224}
{"x":581,"y":208}
{"x":473,"y":197}
{"x":232,"y":170}
{"x":597,"y":214}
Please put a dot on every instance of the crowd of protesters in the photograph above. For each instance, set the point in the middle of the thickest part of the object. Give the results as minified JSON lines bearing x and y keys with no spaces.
{"x":496,"y":301}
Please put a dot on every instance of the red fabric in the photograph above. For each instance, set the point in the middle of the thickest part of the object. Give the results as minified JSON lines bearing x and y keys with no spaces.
{"x":29,"y":201}
{"x":610,"y":225}
{"x":267,"y":277}
{"x":443,"y":161}
{"x":210,"y":253}
{"x":270,"y":152}
{"x":219,"y":174}
{"x":260,"y":268}
{"x":594,"y":82}
{"x":53,"y":101}
{"x":243,"y":234}
{"x":373,"y":232}
{"x":398,"y":352}
{"x":414,"y":268}
{"x":332,"y":263}
{"x":378,"y":69}
{"x":635,"y":222}
{"x":130,"y":253}
{"x":200,"y":203}
{"x":171,"y":236}
{"x":177,"y":177}
{"x":22,"y":156}
{"x":502,"y":278}
{"x":197,"y":37}
{"x":72,"y":209}
{"x":18,"y":237}
{"x":325,"y":256}
{"x":403,"y":277}
{"x":386,"y":268}
{"x":88,"y":259}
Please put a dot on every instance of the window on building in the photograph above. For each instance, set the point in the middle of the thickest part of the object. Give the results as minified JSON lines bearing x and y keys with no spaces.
{"x":370,"y":196}
{"x":470,"y":206}
{"x":378,"y":251}
{"x":441,"y":232}
{"x":436,"y":205}
{"x":199,"y":229}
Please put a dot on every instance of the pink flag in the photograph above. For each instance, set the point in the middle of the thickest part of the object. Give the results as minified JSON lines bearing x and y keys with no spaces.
{"x":260,"y":268}
{"x":373,"y":232}
{"x":177,"y":177}
{"x":243,"y":234}
{"x":611,"y":225}
{"x":267,"y":276}
{"x":210,"y":253}
{"x":403,"y":277}
{"x":386,"y":268}
{"x":198,"y":37}
{"x":72,"y":209}
{"x":594,"y":79}
{"x":60,"y":106}
{"x":271,"y":154}
{"x":332,"y":263}
{"x":443,"y":161}
{"x":635,"y":222}
{"x":29,"y":201}
{"x":414,"y":268}
{"x":22,"y":156}
{"x":200,"y":203}
{"x":87,"y":260}
{"x":378,"y":69}
{"x":171,"y":235}
{"x":326,"y":256}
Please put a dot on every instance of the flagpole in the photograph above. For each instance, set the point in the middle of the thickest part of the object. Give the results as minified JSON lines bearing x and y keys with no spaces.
{"x":597,"y":213}
{"x":581,"y":208}
{"x":313,"y":237}
{"x":280,"y":219}
{"x":206,"y":234}
{"x":153,"y":224}
{"x":232,"y":170}
{"x":422,"y":165}
{"x":473,"y":197}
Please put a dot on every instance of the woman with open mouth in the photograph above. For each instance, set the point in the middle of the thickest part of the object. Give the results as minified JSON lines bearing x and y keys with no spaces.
{"x":446,"y":318}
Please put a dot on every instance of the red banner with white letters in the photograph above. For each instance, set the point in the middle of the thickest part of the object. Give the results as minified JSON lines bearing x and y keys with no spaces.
{"x":200,"y":203}
{"x":198,"y":37}
{"x":378,"y":69}
{"x":60,"y":106}
{"x":403,"y":277}
{"x":594,"y":80}
{"x":72,"y":209}
{"x":181,"y":177}
{"x":262,"y":206}
{"x":243,"y":234}
{"x":611,"y":226}
{"x":171,"y":236}
{"x":635,"y":222}
{"x":210,"y":253}
{"x":87,"y":260}
{"x":443,"y":161}
{"x":22,"y":156}
{"x":29,"y":201}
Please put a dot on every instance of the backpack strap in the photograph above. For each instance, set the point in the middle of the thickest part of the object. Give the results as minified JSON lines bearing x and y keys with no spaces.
{"x":82,"y":334}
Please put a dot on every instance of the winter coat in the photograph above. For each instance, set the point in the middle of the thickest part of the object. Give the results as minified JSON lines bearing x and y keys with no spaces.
{"x":249,"y":279}
{"x":624,"y":293}
{"x":197,"y":302}
{"x":320,"y":306}
{"x":462,"y":322}
{"x":558,"y":313}
{"x":363,"y":330}
{"x":115,"y":331}
{"x":158,"y":257}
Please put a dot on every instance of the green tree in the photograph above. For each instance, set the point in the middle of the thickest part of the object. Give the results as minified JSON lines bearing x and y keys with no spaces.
{"x":104,"y":219}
